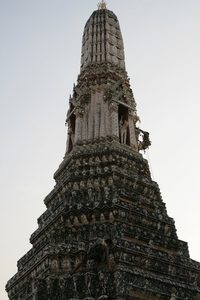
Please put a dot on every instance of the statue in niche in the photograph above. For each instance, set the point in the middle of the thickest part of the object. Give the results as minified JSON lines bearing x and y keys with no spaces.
{"x":71,"y":121}
{"x":106,"y":192}
{"x":104,"y":159}
{"x":90,"y":162}
{"x":110,"y":181}
{"x":90,"y":195}
{"x":97,"y":189}
{"x":88,"y":284}
{"x":61,"y":282}
{"x":102,"y":283}
{"x":145,"y":143}
{"x":71,"y":134}
{"x":82,"y":185}
{"x":75,"y":186}
{"x":97,"y":160}
{"x":103,"y":183}
{"x":110,"y":158}
{"x":75,"y":291}
{"x":99,"y":252}
{"x":173,"y":296}
{"x":89,"y":183}
{"x":96,"y":184}
{"x":123,"y":127}
{"x":137,"y":133}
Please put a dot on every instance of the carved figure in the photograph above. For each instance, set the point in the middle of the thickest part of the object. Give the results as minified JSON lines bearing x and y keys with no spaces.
{"x":82,"y":184}
{"x":123,"y":130}
{"x":75,"y":186}
{"x":49,"y":284}
{"x":91,"y":195}
{"x":71,"y":133}
{"x":99,"y":251}
{"x":145,"y":143}
{"x":88,"y":283}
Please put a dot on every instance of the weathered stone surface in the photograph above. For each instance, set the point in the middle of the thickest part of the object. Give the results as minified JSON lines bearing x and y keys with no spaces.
{"x":104,"y":188}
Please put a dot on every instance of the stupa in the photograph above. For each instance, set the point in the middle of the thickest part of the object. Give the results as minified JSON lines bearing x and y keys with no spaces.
{"x":104,"y":190}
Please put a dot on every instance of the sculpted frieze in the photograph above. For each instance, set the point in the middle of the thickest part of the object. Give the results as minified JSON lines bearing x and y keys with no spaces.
{"x":104,"y":286}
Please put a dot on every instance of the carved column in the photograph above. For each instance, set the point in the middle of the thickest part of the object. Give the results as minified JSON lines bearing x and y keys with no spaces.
{"x":104,"y":131}
{"x":131,"y":122}
{"x":67,"y":142}
{"x":85,"y":124}
{"x":79,"y":125}
{"x":97,"y":112}
{"x":91,"y":112}
{"x":114,"y":124}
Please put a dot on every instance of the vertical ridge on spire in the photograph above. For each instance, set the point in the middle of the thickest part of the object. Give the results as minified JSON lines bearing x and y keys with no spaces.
{"x":102,"y":40}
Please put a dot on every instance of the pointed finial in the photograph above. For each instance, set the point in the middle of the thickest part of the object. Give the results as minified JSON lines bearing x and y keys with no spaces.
{"x":102,"y":5}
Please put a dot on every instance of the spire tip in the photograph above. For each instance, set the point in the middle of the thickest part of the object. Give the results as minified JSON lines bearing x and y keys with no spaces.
{"x":102,"y":5}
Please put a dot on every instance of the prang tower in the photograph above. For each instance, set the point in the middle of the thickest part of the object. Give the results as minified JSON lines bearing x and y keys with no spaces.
{"x":104,"y":188}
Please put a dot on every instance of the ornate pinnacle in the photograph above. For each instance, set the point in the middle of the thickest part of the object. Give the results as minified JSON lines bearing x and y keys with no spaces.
{"x":102,"y":5}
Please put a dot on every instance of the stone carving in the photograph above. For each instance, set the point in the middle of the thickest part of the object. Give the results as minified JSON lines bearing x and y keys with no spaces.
{"x":71,"y":134}
{"x":97,"y":252}
{"x":123,"y":125}
{"x":145,"y":143}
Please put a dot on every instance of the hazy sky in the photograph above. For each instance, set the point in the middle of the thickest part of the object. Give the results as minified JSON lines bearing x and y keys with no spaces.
{"x":39,"y":62}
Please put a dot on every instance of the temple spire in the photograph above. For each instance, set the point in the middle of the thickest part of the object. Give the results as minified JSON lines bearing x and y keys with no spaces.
{"x":102,"y":107}
{"x":102,"y":40}
{"x":104,"y":197}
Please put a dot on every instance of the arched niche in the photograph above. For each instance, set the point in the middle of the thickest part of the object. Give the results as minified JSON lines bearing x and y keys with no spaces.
{"x":124,"y":133}
{"x":71,"y":128}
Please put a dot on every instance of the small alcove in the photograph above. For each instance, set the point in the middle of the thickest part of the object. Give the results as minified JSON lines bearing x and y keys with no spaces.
{"x":124,"y":133}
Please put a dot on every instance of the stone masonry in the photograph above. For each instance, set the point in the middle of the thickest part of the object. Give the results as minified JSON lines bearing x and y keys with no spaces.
{"x":104,"y":189}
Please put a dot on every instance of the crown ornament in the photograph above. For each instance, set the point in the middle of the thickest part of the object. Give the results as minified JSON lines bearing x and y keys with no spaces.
{"x":102,"y":5}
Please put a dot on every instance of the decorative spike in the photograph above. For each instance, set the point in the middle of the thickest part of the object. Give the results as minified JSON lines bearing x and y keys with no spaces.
{"x":102,"y":5}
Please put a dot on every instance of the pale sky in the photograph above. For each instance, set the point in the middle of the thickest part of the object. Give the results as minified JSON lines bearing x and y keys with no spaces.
{"x":39,"y":62}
